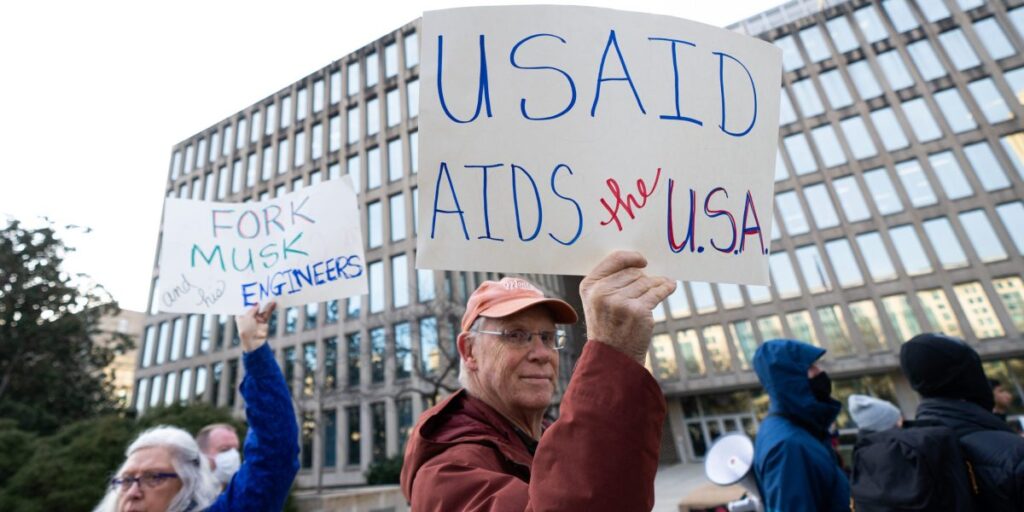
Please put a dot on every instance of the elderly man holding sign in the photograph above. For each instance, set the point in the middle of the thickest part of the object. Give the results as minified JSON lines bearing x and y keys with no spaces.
{"x":535,"y":126}
{"x":486,"y":446}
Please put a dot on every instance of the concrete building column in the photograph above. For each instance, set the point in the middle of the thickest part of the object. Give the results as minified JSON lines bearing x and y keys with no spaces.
{"x":391,"y":419}
{"x":674,"y":411}
{"x":365,"y":434}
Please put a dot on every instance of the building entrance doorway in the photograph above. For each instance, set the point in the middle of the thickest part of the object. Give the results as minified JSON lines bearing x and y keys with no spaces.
{"x":703,"y":432}
{"x":708,"y":417}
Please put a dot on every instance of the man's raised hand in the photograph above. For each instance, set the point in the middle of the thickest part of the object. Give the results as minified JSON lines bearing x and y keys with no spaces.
{"x":617,"y":301}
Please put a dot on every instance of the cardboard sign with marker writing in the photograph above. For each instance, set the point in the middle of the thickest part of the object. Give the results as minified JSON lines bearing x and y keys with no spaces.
{"x":553,"y":135}
{"x":298,"y":248}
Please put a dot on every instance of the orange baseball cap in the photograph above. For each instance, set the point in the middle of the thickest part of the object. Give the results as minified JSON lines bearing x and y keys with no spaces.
{"x":497,"y":299}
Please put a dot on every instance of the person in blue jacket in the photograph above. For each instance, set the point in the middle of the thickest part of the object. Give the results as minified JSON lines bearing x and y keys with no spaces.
{"x":166,"y":472}
{"x":797,"y":470}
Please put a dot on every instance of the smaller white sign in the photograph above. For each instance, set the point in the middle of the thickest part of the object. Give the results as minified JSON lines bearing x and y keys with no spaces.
{"x":295,"y":249}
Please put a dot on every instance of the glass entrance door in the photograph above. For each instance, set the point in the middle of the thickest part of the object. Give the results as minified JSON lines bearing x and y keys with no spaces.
{"x":702,"y":432}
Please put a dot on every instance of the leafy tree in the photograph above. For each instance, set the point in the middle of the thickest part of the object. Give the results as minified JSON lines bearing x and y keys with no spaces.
{"x":384,"y":471}
{"x":15,"y":448}
{"x":69,"y":470}
{"x":50,"y":369}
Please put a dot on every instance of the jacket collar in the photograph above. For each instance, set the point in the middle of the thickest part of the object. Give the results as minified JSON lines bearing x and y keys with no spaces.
{"x":960,"y":415}
{"x":462,"y":418}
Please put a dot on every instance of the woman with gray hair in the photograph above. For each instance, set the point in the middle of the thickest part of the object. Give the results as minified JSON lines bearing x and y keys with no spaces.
{"x":166,"y":472}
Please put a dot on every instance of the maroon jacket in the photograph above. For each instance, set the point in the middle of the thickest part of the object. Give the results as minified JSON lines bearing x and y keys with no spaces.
{"x":601,"y":454}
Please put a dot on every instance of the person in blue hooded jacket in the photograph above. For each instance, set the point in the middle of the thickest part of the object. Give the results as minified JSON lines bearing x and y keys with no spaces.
{"x":796,"y":468}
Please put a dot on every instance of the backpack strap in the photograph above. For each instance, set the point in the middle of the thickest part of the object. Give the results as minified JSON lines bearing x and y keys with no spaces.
{"x":975,"y":490}
{"x":971,"y":478}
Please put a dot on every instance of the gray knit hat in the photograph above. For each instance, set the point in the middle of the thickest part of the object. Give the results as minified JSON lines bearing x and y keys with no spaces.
{"x":873,"y":414}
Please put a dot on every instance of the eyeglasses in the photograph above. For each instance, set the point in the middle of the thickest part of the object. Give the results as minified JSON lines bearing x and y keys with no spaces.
{"x":147,"y":480}
{"x":554,"y":340}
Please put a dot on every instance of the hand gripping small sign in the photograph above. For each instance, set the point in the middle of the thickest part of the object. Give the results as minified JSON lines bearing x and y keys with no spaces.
{"x":295,"y":249}
{"x":552,"y":135}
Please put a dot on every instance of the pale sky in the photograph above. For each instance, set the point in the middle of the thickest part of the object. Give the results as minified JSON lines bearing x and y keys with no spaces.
{"x":94,"y":94}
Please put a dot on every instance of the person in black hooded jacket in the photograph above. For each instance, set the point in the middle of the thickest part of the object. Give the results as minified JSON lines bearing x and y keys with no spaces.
{"x":955,"y":393}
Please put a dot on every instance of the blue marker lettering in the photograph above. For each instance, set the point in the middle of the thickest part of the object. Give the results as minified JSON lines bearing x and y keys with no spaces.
{"x":302,"y":275}
{"x":721,"y":87}
{"x":487,"y":215}
{"x":690,"y":236}
{"x":443,"y":173}
{"x":675,"y":74}
{"x":246,"y":294}
{"x":515,"y":203}
{"x":572,"y":85}
{"x":318,"y":275}
{"x":718,"y":213}
{"x":579,"y":211}
{"x":483,"y":96}
{"x":600,"y":74}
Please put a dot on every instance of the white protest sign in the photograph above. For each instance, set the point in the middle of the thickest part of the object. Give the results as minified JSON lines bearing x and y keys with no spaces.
{"x":298,"y":248}
{"x":552,"y":135}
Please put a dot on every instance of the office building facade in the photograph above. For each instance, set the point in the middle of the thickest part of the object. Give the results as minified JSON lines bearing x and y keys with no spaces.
{"x":899,"y":179}
{"x":361,"y":369}
{"x":899,"y":187}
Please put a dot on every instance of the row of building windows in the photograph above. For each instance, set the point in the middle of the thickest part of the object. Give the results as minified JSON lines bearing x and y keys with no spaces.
{"x":191,"y":335}
{"x":860,"y":134}
{"x":855,"y":129}
{"x":869,"y":23}
{"x":864,"y":258}
{"x":248,"y":130}
{"x":984,"y":91}
{"x":262,"y":166}
{"x":422,"y":348}
{"x":725,"y":348}
{"x":416,"y":347}
{"x":169,"y":389}
{"x":973,"y":226}
{"x":943,"y":168}
{"x":352,"y":446}
{"x":916,"y":188}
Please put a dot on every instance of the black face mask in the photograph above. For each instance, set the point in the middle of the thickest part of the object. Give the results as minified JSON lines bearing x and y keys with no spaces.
{"x":821,"y":387}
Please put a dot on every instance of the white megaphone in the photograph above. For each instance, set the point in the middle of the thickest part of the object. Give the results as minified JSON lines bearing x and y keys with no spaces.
{"x":730,"y":461}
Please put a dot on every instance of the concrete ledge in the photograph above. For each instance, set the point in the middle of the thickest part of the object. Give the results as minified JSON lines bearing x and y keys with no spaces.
{"x":378,"y":498}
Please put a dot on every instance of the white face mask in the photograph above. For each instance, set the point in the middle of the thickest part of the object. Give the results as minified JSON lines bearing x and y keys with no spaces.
{"x":227,"y":465}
